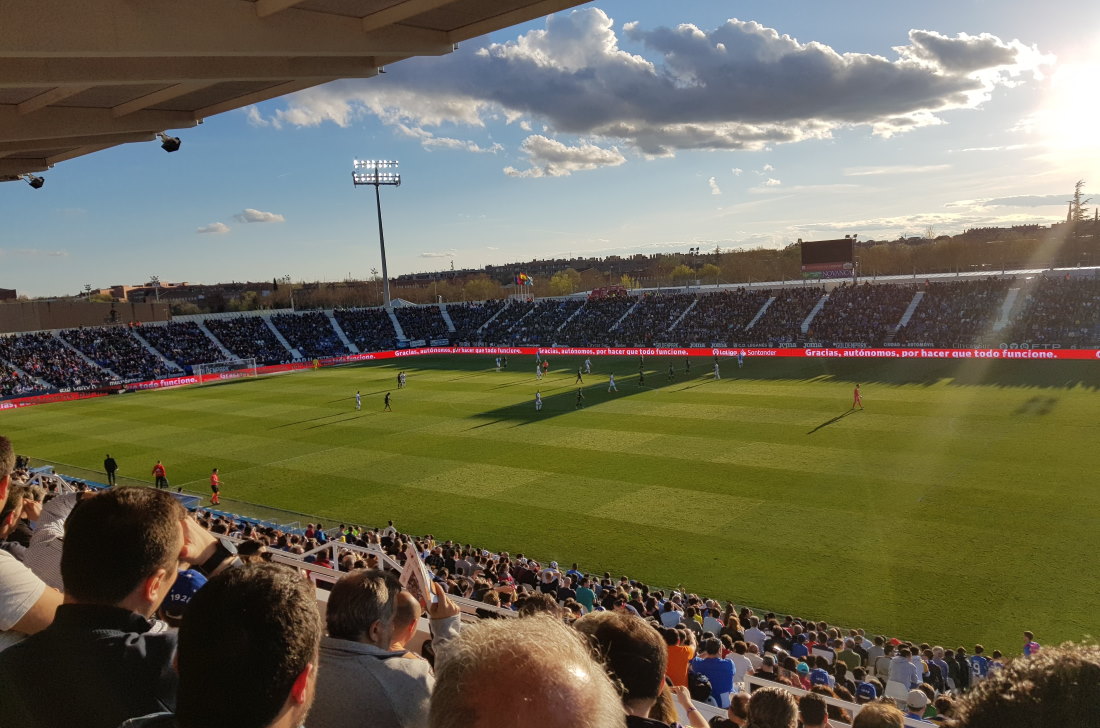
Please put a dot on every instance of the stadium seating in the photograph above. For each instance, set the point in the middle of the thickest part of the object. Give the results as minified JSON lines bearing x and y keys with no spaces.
{"x":46,"y":357}
{"x":183,"y":342}
{"x":117,"y":349}
{"x":370,"y":329}
{"x":1059,"y":312}
{"x":469,"y":317}
{"x":865,"y":314}
{"x":248,"y":337}
{"x":422,"y":323}
{"x":311,"y":333}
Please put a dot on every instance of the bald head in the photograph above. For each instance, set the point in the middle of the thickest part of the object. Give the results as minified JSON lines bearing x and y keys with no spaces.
{"x":529,"y":671}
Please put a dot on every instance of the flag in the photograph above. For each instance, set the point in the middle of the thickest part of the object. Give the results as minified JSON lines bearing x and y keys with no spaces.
{"x":522,"y":279}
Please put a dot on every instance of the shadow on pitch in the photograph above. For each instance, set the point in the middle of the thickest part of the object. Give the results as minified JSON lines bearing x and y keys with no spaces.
{"x":336,"y":422}
{"x":838,"y":418}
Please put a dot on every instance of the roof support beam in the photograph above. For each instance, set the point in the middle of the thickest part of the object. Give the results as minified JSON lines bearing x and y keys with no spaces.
{"x":74,"y":141}
{"x":13,"y":167}
{"x":265,"y":8}
{"x":399,"y":13}
{"x":157,"y":97}
{"x":514,"y":17}
{"x":82,"y":72}
{"x":196,"y":28}
{"x":59,"y":122}
{"x":52,"y":96}
{"x":256,"y":97}
{"x":81,"y":151}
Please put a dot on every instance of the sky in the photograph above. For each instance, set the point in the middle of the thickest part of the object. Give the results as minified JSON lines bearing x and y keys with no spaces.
{"x":619,"y":127}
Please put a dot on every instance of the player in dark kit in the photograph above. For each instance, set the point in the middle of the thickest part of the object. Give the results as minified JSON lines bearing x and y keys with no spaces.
{"x":387,"y":401}
{"x":580,"y":400}
{"x":579,"y":378}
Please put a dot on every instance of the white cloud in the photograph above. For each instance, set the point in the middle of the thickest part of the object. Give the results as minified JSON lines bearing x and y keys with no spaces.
{"x":738,"y":86}
{"x":214,"y":228}
{"x":714,"y":188}
{"x":449,"y":253}
{"x":33,"y":253}
{"x":766,"y":168}
{"x":737,"y":171}
{"x":772,"y":182}
{"x":551,"y":158}
{"x":894,"y":169}
{"x":944,"y":222}
{"x":251,"y":215}
{"x":255,"y":118}
{"x":430,"y":141}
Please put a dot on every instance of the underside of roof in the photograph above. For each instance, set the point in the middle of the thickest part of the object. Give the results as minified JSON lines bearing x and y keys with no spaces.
{"x":80,"y":77}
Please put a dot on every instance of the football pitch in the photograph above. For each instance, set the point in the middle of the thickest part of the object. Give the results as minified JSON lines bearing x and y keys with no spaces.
{"x":960,"y":506}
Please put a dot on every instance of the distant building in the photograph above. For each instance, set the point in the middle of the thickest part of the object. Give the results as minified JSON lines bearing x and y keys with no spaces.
{"x":7,"y":294}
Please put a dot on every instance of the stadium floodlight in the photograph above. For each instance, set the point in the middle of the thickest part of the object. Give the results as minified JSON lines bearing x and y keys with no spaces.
{"x":370,"y":172}
{"x":33,"y":180}
{"x":168,"y":143}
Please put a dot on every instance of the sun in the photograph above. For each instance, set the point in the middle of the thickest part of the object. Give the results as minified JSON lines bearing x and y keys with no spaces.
{"x":1069,"y":116}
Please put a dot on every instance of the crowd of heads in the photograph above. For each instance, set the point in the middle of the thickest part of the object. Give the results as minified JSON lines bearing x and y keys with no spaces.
{"x":182,"y":341}
{"x":469,"y":317}
{"x":248,"y":337}
{"x":311,"y":333}
{"x":422,"y":322}
{"x":369,"y":329}
{"x":863,"y":313}
{"x":956,"y":314}
{"x":45,"y":357}
{"x":1051,"y":311}
{"x":117,"y":349}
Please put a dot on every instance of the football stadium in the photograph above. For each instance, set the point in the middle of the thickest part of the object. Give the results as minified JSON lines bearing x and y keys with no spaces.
{"x":829,"y":498}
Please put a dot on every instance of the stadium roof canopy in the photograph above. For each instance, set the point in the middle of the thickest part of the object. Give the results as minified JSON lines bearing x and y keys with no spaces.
{"x":80,"y":77}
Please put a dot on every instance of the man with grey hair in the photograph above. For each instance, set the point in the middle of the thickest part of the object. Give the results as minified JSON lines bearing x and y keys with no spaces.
{"x":532,"y":671}
{"x":366,"y":669}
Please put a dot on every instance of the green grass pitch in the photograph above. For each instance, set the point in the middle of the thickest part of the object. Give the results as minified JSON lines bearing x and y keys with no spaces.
{"x":960,"y":506}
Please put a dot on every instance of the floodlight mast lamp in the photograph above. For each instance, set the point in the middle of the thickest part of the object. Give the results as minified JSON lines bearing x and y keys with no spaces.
{"x":378,"y":172}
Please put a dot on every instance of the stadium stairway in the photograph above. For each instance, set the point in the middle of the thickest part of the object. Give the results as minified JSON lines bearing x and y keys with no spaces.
{"x":566,"y":321}
{"x":282,"y":339}
{"x":400,"y":332}
{"x":813,"y":312}
{"x":210,"y":335}
{"x":760,"y":313}
{"x":1006,"y":309}
{"x":628,"y":312}
{"x":42,"y":383}
{"x":680,"y":318}
{"x":340,"y":332}
{"x":909,"y":311}
{"x":490,"y":319}
{"x":57,"y":335}
{"x":447,"y":318}
{"x":152,"y":350}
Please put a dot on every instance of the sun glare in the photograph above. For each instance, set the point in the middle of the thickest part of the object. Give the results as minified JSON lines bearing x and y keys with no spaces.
{"x":1069,"y":116}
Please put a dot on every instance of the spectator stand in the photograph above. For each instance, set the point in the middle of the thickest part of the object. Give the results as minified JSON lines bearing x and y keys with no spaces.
{"x":183,"y":342}
{"x":751,"y":682}
{"x":248,"y":336}
{"x":368,"y":329}
{"x":422,"y":323}
{"x":468,"y":318}
{"x":116,"y":349}
{"x":311,"y":333}
{"x":46,"y":357}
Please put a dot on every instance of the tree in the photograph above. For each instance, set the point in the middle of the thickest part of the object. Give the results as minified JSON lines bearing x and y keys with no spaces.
{"x":480,"y":288}
{"x":709,"y":272}
{"x":564,"y":282}
{"x":626,"y":281}
{"x":1078,"y":214}
{"x":682,"y":273}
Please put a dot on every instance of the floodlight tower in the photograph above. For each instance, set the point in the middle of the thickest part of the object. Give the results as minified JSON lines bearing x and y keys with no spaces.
{"x":370,"y":172}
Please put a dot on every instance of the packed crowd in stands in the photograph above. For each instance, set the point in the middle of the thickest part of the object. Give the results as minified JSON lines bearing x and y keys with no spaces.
{"x":719,"y":317}
{"x":181,"y":341}
{"x":1051,"y":311}
{"x":46,"y":357}
{"x":248,"y":337}
{"x":133,"y":643}
{"x":311,"y":333}
{"x":116,"y":348}
{"x":593,"y":325}
{"x":370,"y":329}
{"x":15,"y":384}
{"x":469,"y":317}
{"x":651,"y":319}
{"x":422,"y":323}
{"x":1055,"y":311}
{"x":862,"y":313}
{"x":781,"y":322}
{"x":955,"y":314}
